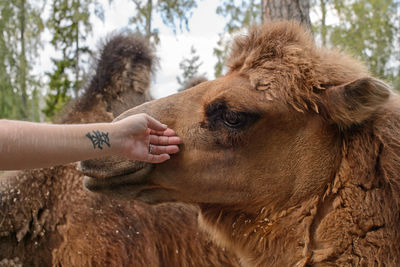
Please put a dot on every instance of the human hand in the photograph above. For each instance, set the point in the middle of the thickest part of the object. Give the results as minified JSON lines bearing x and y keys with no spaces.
{"x":137,"y":133}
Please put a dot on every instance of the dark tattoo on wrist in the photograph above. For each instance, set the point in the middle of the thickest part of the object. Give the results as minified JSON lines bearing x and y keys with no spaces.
{"x":99,"y":139}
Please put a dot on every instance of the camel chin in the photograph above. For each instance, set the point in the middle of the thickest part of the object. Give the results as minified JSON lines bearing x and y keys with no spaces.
{"x":133,"y":185}
{"x":129,"y":183}
{"x":151,"y":194}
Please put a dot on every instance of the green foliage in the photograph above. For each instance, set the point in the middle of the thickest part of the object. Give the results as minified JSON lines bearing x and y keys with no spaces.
{"x":190,"y":68}
{"x":367,"y":29}
{"x":9,"y":100}
{"x":34,"y":26}
{"x":66,"y":19}
{"x":239,"y":16}
{"x":35,"y":105}
{"x":173,"y":13}
{"x":20,"y":30}
{"x":7,"y":95}
{"x":59,"y":85}
{"x":222,"y":53}
{"x":69,"y":24}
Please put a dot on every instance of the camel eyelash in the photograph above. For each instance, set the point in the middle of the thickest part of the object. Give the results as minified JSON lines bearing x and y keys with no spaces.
{"x":219,"y":115}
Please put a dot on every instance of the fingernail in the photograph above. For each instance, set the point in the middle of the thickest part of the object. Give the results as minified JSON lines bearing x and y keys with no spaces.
{"x":165,"y":126}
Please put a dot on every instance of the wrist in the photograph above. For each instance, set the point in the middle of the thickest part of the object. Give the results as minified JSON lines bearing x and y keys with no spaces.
{"x":116,"y":139}
{"x":101,"y":138}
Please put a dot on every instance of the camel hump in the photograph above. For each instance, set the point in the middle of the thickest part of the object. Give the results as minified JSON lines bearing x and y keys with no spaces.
{"x":120,"y":53}
{"x":121,"y":80}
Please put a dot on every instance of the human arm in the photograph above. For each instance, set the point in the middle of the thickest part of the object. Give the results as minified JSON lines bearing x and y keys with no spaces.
{"x":26,"y":145}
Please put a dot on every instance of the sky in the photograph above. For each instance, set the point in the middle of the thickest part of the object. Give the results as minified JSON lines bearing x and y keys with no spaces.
{"x":204,"y":27}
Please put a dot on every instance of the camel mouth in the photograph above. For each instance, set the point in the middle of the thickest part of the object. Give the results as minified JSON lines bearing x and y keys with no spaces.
{"x":135,"y":177}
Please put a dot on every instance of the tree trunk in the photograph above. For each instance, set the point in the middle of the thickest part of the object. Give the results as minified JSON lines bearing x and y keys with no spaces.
{"x":76,"y":67}
{"x":287,"y":10}
{"x":324,"y":30}
{"x":22,"y":61}
{"x":35,"y":106}
{"x":148,"y":19}
{"x":77,"y":81}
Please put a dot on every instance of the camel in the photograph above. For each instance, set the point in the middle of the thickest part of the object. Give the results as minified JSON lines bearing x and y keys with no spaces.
{"x":47,"y":218}
{"x":293,"y":157}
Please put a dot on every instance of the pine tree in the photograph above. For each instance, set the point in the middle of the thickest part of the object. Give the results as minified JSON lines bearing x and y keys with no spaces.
{"x":21,"y":27}
{"x":173,"y":13}
{"x":239,"y":16}
{"x":69,"y":24}
{"x":7,"y":95}
{"x":190,"y":69}
{"x":365,"y":28}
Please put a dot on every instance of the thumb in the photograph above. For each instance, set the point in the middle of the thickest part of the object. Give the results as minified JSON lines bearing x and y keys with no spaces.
{"x":155,"y":124}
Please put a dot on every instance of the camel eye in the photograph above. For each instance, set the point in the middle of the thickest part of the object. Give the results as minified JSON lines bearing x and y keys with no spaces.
{"x":233,"y":119}
{"x":219,"y":114}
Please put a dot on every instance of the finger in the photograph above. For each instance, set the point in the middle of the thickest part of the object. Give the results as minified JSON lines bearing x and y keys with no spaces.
{"x":157,"y":158}
{"x":164,"y":140}
{"x":167,"y":132}
{"x":155,"y":124}
{"x":158,"y":150}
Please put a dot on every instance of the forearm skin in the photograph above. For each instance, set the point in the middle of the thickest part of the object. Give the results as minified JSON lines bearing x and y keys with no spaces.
{"x":26,"y":145}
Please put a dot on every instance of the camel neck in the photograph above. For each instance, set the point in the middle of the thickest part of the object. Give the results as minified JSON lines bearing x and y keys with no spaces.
{"x":257,"y":239}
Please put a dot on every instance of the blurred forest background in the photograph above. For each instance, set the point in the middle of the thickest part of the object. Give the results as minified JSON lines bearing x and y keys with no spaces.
{"x":368,"y":29}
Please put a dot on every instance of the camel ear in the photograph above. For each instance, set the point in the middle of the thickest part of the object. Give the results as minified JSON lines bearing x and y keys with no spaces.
{"x":355,"y":102}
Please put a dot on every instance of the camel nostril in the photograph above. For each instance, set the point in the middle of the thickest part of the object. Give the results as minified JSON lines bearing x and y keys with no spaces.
{"x":94,"y":185}
{"x":88,"y":184}
{"x":94,"y":168}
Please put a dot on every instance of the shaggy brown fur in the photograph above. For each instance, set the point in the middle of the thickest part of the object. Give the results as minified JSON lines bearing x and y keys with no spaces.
{"x":126,"y":62}
{"x":355,"y":221}
{"x":293,"y":156}
{"x":47,"y":218}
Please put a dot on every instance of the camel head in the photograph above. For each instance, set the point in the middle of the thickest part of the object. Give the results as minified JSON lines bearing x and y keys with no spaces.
{"x":268,"y":133}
